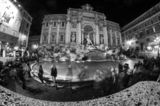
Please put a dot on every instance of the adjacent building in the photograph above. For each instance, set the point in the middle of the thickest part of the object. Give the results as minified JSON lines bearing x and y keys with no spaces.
{"x":15,"y":24}
{"x":24,"y":29}
{"x":144,"y":30}
{"x":78,"y":25}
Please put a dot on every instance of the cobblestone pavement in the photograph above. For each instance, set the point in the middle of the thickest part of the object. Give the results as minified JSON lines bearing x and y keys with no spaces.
{"x":145,"y":93}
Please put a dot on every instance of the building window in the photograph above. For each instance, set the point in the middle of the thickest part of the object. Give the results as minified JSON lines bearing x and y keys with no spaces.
{"x":27,"y":25}
{"x":109,"y":37}
{"x":63,"y":24}
{"x":53,"y":37}
{"x":100,"y":28}
{"x":157,"y":27}
{"x":142,"y":33}
{"x":61,"y":38}
{"x":113,"y":38}
{"x":74,"y":25}
{"x":151,"y":31}
{"x":101,"y":38}
{"x":73,"y":36}
{"x":147,"y":31}
{"x":159,"y":18}
{"x":45,"y":37}
{"x":47,"y":24}
{"x":54,"y":24}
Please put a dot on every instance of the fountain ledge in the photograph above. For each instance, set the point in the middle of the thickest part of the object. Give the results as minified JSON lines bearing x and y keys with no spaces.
{"x":145,"y":93}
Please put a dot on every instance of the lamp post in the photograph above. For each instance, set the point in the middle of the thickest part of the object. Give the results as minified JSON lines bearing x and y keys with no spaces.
{"x":158,"y":49}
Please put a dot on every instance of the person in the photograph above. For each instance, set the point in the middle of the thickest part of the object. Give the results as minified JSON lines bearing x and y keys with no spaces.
{"x":29,"y":70}
{"x":121,"y":81}
{"x":120,"y":67}
{"x":54,"y":74}
{"x":13,"y":73}
{"x":158,"y":79}
{"x":21,"y":75}
{"x":70,"y":73}
{"x":40,"y":73}
{"x":82,"y":75}
{"x":4,"y":75}
{"x":13,"y":78}
{"x":127,"y":76}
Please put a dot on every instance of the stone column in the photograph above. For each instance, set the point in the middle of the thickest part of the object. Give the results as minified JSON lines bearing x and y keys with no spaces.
{"x":82,"y":35}
{"x":67,"y":39}
{"x":79,"y":33}
{"x":14,"y":54}
{"x":120,"y":38}
{"x":41,"y":38}
{"x":0,"y":46}
{"x":97,"y":35}
{"x":49,"y":34}
{"x":58,"y":30}
{"x":28,"y":36}
{"x":105,"y":35}
{"x":116,"y":36}
{"x":4,"y":53}
{"x":111,"y":40}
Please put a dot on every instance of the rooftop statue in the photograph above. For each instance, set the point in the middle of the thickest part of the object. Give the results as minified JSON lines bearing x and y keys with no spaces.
{"x":87,"y":7}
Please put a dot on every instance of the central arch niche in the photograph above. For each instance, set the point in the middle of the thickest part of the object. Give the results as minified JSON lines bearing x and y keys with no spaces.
{"x":88,"y":33}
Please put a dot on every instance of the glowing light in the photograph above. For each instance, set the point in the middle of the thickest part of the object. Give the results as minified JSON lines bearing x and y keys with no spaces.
{"x":89,"y":60}
{"x":156,"y":47}
{"x":34,"y":46}
{"x":157,"y":39}
{"x":19,"y":5}
{"x":23,"y":37}
{"x":22,"y":49}
{"x":130,"y":42}
{"x":8,"y":48}
{"x":16,"y":48}
{"x":149,"y":48}
{"x":78,"y":61}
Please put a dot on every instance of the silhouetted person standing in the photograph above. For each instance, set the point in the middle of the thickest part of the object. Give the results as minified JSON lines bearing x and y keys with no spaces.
{"x":29,"y":70}
{"x":21,"y":75}
{"x":40,"y":74}
{"x":54,"y":74}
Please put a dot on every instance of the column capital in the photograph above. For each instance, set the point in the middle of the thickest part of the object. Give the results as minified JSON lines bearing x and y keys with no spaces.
{"x":79,"y":20}
{"x":105,"y":25}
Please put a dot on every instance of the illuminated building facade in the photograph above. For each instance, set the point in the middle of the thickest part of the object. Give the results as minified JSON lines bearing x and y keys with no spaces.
{"x":78,"y":25}
{"x":15,"y":24}
{"x":145,"y":28}
{"x":24,"y":29}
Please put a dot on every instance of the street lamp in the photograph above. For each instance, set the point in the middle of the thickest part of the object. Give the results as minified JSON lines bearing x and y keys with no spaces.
{"x":16,"y":48}
{"x":35,"y":46}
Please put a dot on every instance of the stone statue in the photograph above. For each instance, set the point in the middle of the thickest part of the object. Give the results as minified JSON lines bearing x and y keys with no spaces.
{"x":89,"y":42}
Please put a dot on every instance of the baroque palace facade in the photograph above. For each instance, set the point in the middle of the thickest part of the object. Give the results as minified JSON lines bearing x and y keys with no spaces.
{"x":78,"y":25}
{"x":145,"y":29}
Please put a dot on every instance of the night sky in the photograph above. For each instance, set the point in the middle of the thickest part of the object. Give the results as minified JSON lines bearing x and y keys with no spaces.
{"x":121,"y":11}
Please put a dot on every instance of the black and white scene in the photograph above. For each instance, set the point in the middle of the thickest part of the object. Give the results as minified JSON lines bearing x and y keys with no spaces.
{"x":79,"y":53}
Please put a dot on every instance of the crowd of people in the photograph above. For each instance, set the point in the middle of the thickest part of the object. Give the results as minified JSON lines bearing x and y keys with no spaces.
{"x":18,"y":70}
{"x":147,"y":69}
{"x":53,"y":73}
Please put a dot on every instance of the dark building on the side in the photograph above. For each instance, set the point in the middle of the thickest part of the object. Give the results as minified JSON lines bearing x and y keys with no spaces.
{"x":144,"y":31}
